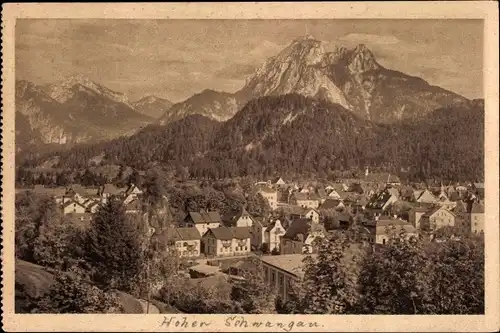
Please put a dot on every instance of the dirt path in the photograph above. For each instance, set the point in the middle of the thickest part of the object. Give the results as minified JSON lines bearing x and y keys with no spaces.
{"x":152,"y":308}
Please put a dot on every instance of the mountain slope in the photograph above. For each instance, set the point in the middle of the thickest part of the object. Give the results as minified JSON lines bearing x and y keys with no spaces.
{"x":296,"y":135}
{"x":216,"y":105}
{"x":75,"y":110}
{"x":351,"y":78}
{"x":152,"y":106}
{"x":179,"y":142}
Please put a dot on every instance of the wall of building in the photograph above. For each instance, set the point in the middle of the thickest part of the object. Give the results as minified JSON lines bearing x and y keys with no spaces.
{"x":183,"y":250}
{"x":278,"y":280}
{"x":477,"y":222}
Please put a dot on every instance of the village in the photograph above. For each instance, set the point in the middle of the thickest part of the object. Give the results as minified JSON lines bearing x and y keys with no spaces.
{"x":217,"y":244}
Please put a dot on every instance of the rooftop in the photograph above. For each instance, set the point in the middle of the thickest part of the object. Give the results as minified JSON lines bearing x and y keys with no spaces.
{"x":291,"y":263}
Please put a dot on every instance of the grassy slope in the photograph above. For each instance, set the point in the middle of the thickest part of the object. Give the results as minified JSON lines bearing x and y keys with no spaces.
{"x":35,"y":280}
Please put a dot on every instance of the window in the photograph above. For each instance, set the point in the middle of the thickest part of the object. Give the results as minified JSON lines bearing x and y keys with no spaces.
{"x":178,"y":244}
{"x":246,"y":248}
{"x":273,"y":277}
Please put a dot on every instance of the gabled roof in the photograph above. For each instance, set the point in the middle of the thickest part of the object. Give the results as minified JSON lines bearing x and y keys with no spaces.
{"x":71,"y":202}
{"x":205,"y":217}
{"x":330,"y":204}
{"x":379,"y":200}
{"x":168,"y":234}
{"x":240,"y":232}
{"x":273,"y":224}
{"x":434,"y":210}
{"x":111,"y":189}
{"x":188,"y":233}
{"x":222,"y":233}
{"x":322,"y":193}
{"x":298,"y":226}
{"x":130,"y":188}
{"x":230,"y":218}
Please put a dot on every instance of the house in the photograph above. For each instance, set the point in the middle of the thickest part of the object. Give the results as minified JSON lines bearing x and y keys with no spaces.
{"x":273,"y":233}
{"x":257,"y":233}
{"x":92,"y":205}
{"x":183,"y":241}
{"x":321,"y":194}
{"x":415,"y":215}
{"x":240,"y":218}
{"x":380,"y":203}
{"x":280,"y":272}
{"x":227,"y":241}
{"x":279,"y":182}
{"x":300,"y":235}
{"x":305,"y":200}
{"x":271,"y":196}
{"x":445,"y":202}
{"x":343,"y":220}
{"x":436,"y":218}
{"x":477,"y":218}
{"x":308,"y":213}
{"x":333,"y":195}
{"x":332,"y":204}
{"x":132,"y":193}
{"x":203,"y":220}
{"x":109,"y":190}
{"x":73,"y":206}
{"x":462,"y":217}
{"x":75,"y":192}
{"x":424,"y":196}
{"x":382,"y":229}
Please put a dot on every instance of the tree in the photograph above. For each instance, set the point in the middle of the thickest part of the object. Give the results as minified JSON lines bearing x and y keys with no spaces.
{"x":393,"y":278}
{"x":154,"y":187}
{"x":71,"y":294}
{"x":455,"y":282}
{"x":253,"y":294}
{"x":329,"y":285}
{"x":113,"y":248}
{"x":423,"y":277}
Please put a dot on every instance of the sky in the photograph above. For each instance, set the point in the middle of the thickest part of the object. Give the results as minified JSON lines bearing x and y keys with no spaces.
{"x":175,"y":59}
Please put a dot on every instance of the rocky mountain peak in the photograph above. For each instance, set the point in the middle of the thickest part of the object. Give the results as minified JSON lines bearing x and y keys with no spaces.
{"x":296,"y":69}
{"x":362,"y":60}
{"x":305,"y":50}
{"x":65,"y":89}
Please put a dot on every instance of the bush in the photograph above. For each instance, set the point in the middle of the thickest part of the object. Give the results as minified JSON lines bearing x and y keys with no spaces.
{"x":71,"y":294}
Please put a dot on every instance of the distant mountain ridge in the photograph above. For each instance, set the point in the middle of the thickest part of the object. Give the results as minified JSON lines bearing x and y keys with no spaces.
{"x":74,"y":110}
{"x":152,"y":106}
{"x":77,"y":110}
{"x":351,"y":78}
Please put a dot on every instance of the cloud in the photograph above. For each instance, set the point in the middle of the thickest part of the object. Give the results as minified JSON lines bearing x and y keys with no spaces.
{"x":235,"y":71}
{"x":359,"y":38}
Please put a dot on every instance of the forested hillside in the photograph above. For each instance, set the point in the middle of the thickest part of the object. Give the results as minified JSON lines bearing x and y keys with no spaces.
{"x":293,"y":134}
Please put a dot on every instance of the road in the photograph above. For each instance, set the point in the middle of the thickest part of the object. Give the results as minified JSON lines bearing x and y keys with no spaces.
{"x":152,"y":308}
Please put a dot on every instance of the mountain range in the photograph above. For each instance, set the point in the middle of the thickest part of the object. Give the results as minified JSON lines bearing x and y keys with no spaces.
{"x":305,"y":109}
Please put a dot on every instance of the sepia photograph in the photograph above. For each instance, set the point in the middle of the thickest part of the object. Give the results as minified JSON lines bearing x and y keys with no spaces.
{"x":312,"y":166}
